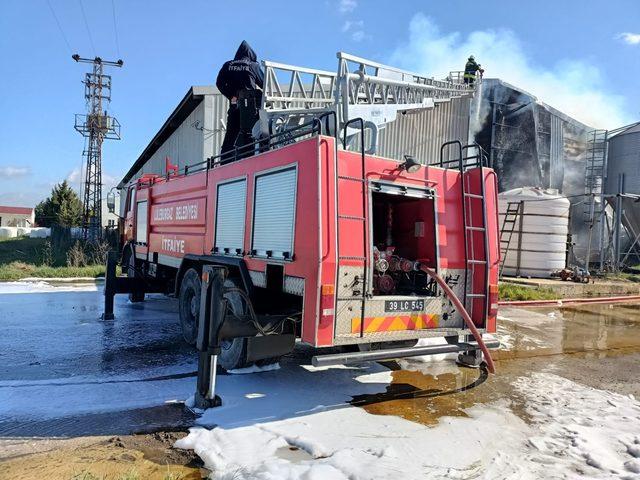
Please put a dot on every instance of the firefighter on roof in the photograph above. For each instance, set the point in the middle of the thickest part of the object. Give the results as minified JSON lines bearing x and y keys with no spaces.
{"x":470,"y":70}
{"x":241,"y":81}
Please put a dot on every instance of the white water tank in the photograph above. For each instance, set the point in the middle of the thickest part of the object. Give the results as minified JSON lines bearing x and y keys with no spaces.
{"x":538,"y":245}
{"x":8,"y":232}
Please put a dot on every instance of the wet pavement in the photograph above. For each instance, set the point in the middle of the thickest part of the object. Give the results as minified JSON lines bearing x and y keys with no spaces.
{"x":66,"y":372}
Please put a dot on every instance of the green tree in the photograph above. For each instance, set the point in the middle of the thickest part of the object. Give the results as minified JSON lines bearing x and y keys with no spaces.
{"x":63,"y":207}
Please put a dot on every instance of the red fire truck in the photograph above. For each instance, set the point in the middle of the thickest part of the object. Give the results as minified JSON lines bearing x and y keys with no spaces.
{"x":324,"y":244}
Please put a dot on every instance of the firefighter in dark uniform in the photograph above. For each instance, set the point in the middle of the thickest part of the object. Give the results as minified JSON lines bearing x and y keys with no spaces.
{"x":241,"y":81}
{"x":471,"y":69}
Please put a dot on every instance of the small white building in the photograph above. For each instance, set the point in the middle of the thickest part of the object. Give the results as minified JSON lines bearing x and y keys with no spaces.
{"x":17,"y":216}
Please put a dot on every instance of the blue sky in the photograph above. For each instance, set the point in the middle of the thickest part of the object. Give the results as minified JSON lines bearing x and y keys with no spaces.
{"x":571,"y":54}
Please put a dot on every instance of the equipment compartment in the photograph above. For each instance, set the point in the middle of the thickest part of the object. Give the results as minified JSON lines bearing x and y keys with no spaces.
{"x":404,"y":235}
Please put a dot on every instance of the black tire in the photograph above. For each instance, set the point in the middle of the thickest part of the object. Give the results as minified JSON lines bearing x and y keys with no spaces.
{"x":189,"y":305}
{"x":133,"y":271}
{"x":233,"y":353}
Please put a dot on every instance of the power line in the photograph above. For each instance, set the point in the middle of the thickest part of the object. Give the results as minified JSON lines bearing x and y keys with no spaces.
{"x":64,"y":37}
{"x":86,"y":24}
{"x":115,"y":26}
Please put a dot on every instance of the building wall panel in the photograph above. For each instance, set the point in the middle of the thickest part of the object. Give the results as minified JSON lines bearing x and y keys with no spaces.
{"x":422,"y":134}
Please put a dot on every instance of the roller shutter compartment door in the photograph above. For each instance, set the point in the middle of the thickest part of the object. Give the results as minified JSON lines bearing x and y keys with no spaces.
{"x":230,"y":217}
{"x":274,"y":214}
{"x":141,"y":222}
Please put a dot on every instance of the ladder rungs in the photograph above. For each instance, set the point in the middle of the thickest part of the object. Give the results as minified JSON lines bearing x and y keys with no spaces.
{"x":476,"y":229}
{"x":351,"y":217}
{"x":482,"y":262}
{"x":352,"y":258}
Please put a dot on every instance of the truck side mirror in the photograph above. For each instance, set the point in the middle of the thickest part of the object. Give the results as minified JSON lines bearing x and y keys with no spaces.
{"x":111,"y":202}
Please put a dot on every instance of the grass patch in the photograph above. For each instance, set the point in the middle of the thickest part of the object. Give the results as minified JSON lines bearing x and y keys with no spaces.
{"x":630,"y":277}
{"x":510,"y":291}
{"x":34,"y":257}
{"x":18,"y":270}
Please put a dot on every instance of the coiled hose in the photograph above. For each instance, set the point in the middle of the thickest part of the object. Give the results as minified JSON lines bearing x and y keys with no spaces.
{"x":465,"y":315}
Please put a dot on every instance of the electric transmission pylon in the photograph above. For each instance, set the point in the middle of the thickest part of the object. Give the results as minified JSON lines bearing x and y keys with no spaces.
{"x":96,"y":126}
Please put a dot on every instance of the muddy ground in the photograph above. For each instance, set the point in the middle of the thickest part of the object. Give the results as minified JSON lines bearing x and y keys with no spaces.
{"x":596,"y":345}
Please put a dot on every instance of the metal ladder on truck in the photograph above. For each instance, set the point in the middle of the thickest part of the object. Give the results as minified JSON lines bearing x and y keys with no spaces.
{"x":362,"y":180}
{"x":475,"y":258}
{"x":360,"y":88}
{"x":506,"y":231}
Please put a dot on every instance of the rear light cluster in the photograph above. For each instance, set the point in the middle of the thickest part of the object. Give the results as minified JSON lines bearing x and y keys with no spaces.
{"x":493,"y":300}
{"x":327,"y":302}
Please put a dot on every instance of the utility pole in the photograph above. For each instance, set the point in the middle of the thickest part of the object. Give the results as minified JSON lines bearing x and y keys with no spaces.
{"x":96,"y":126}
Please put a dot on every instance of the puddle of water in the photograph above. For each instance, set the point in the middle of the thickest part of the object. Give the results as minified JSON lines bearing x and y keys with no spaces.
{"x":427,"y":395}
{"x":425,"y":398}
{"x":604,"y":329}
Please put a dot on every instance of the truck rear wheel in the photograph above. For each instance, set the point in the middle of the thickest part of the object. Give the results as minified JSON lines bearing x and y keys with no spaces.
{"x":233,"y":353}
{"x":189,"y":305}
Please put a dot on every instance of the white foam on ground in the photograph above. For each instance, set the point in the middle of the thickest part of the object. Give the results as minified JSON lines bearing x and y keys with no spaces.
{"x":41,"y":287}
{"x":255,"y":369}
{"x":575,"y":432}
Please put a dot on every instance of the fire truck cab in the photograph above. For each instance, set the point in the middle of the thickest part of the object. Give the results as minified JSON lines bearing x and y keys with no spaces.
{"x":324,"y":242}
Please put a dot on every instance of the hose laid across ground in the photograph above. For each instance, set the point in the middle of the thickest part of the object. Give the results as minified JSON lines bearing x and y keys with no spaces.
{"x":465,"y":315}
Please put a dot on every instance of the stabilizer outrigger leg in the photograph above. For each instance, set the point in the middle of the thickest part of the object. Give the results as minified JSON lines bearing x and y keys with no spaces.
{"x":114,"y":284}
{"x":470,"y":358}
{"x":212,"y":315}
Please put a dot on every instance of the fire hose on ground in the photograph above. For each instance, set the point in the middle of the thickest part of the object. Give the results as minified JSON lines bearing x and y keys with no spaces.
{"x":465,"y":315}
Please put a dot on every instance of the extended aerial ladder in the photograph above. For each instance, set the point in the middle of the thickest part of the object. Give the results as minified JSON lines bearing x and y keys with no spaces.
{"x":360,"y":88}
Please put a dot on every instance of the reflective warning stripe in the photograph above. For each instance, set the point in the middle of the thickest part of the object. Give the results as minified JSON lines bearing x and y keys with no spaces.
{"x":394,"y":324}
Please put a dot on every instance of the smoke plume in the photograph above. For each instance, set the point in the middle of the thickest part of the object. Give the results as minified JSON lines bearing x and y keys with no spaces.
{"x":573,"y":86}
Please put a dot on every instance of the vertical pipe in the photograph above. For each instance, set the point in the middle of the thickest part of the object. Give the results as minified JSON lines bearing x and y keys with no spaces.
{"x":618,"y":224}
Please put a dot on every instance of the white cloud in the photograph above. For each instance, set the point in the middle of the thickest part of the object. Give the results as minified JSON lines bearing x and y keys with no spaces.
{"x":75,"y":176}
{"x":356,"y":27}
{"x":349,"y":24}
{"x":346,"y":6}
{"x":359,"y":35}
{"x":574,"y":87}
{"x":13,"y":172}
{"x":629,"y":38}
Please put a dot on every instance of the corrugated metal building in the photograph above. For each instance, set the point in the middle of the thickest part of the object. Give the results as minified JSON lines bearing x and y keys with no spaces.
{"x":532,"y":144}
{"x":192,"y":133}
{"x":421,"y":134}
{"x":529,"y":142}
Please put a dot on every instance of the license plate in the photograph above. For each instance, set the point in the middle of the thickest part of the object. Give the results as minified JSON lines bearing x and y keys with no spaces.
{"x":403,"y":305}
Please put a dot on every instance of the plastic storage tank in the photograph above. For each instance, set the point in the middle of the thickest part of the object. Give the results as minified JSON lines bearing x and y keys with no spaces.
{"x":538,"y":245}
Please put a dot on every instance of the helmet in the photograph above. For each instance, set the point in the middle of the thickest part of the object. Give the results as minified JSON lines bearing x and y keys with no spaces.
{"x":471,"y":58}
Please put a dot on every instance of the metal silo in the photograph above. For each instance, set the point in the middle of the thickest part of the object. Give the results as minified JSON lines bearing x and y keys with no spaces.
{"x":623,"y":176}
